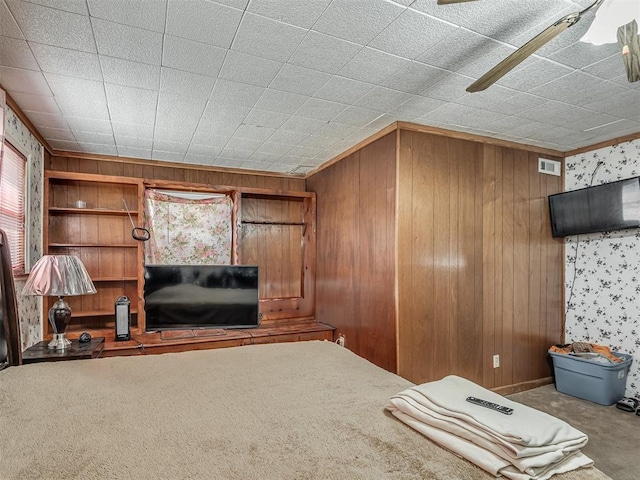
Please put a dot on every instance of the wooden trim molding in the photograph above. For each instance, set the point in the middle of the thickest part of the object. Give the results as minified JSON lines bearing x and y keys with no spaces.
{"x":521,"y":387}
{"x":607,"y":143}
{"x":163,"y":163}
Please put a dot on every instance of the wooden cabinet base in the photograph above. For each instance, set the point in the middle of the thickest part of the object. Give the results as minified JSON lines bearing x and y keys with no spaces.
{"x":185,"y":340}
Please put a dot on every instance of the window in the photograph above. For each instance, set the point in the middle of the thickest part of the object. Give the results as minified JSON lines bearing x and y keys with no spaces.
{"x":12,"y":204}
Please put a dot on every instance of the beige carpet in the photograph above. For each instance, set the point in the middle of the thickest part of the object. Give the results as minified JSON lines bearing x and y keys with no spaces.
{"x":308,"y":410}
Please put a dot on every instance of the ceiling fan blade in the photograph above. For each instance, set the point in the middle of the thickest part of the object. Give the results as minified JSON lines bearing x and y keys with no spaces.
{"x":529,"y":48}
{"x":447,"y":2}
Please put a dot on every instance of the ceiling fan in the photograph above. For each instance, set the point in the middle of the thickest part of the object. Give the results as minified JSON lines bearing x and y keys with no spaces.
{"x":631,"y":51}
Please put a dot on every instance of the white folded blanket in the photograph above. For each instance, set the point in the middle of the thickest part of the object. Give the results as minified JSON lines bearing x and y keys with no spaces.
{"x":526,"y":444}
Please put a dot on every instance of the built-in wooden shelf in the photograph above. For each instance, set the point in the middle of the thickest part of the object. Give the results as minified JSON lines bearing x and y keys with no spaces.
{"x":92,"y":245}
{"x":252,"y":222}
{"x":96,"y":313}
{"x":91,"y":211}
{"x":114,"y":279}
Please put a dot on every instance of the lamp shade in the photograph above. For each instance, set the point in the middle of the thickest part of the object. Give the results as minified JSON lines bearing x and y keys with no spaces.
{"x":609,"y":16}
{"x":58,"y":275}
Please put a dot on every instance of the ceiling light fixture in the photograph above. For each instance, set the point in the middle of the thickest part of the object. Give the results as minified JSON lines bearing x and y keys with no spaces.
{"x":617,"y":21}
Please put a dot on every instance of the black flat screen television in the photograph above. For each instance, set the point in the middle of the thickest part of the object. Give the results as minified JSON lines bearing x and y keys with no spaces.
{"x":200,"y":296}
{"x":611,"y":206}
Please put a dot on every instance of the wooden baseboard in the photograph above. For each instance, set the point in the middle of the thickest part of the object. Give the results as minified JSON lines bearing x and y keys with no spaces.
{"x":521,"y":387}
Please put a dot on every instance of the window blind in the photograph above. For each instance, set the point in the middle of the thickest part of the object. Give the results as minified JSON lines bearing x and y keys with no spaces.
{"x":12,"y":196}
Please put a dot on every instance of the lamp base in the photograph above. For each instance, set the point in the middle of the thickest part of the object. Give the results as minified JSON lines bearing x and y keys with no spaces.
{"x":59,"y":342}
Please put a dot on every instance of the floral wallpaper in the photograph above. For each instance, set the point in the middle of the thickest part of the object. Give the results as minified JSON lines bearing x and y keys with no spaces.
{"x":29,"y":308}
{"x":602,"y":270}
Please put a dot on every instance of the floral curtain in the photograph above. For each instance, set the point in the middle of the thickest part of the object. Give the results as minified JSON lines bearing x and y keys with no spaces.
{"x":2,"y":108}
{"x":187,"y":229}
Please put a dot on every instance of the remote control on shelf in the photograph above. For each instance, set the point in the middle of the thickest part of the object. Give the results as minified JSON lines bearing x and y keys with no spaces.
{"x":492,"y":406}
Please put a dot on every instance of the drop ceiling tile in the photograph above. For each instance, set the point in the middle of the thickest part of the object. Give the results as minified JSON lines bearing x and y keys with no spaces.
{"x":188,"y":84}
{"x":581,"y":53}
{"x":250,"y":69}
{"x":533,"y":75}
{"x":239,"y":4}
{"x":480,"y":65}
{"x":294,"y":12}
{"x":462,"y":115}
{"x":8,"y":25}
{"x":382,"y":99}
{"x":357,"y":116}
{"x":53,"y":27}
{"x":64,"y":61}
{"x":235,"y":93}
{"x":123,"y":141}
{"x":324,"y":53}
{"x":179,"y":126}
{"x":615,"y":129}
{"x":625,"y":104}
{"x":300,"y":80}
{"x":178,"y":110}
{"x":65,"y":145}
{"x":454,"y":52}
{"x":381,"y":122}
{"x":302,"y":125}
{"x":173,"y":147}
{"x":131,"y":74}
{"x":78,"y":97}
{"x":167,"y":156}
{"x":400,"y":36}
{"x":204,"y":150}
{"x":255,"y":166}
{"x":607,"y":69}
{"x":507,"y":124}
{"x":487,"y":98}
{"x":289,"y":160}
{"x":304,"y":152}
{"x":132,"y":130}
{"x":173,"y":135}
{"x":253,"y":132}
{"x":288,"y":137}
{"x":84,"y":124}
{"x":25,"y":81}
{"x":130,"y":43}
{"x":244,"y":144}
{"x":94,"y":138}
{"x":357,"y":21}
{"x":98,"y":149}
{"x":516,"y":103}
{"x":131,"y":105}
{"x":279,"y":101}
{"x":74,"y":6}
{"x":56,"y":134}
{"x":224,"y":112}
{"x":320,"y":109}
{"x":416,"y":106}
{"x":227,"y":162}
{"x":449,"y":89}
{"x":266,"y":158}
{"x":266,"y":118}
{"x":575,"y":87}
{"x":267,"y":38}
{"x":561,"y":114}
{"x":16,"y":53}
{"x":317,"y":141}
{"x":372,"y":66}
{"x":274,"y":148}
{"x":144,"y":153}
{"x":149,"y":15}
{"x":335,"y":130}
{"x":215,"y":135}
{"x":183,"y":54}
{"x":343,"y":90}
{"x":236,"y":154}
{"x":36,"y":103}
{"x":81,"y":107}
{"x":414,"y":77}
{"x":193,"y":20}
{"x":198,"y":159}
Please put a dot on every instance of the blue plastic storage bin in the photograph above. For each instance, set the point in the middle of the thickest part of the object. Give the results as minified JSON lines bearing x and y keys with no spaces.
{"x":589,"y":379}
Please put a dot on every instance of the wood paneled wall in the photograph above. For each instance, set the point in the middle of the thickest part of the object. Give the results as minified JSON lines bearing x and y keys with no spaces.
{"x":172,"y":173}
{"x":439,"y":257}
{"x":478,"y":273}
{"x":355,"y":281}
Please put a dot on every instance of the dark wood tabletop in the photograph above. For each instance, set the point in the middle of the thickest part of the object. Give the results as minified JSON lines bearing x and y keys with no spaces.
{"x":76,"y":351}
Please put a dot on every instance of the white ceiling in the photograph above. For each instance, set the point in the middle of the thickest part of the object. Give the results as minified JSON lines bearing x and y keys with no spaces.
{"x":286,"y":85}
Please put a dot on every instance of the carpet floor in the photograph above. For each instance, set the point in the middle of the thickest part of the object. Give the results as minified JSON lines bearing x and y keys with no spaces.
{"x":614,"y":442}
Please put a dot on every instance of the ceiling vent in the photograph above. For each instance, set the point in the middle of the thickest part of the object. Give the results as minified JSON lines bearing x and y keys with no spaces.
{"x":550,"y":167}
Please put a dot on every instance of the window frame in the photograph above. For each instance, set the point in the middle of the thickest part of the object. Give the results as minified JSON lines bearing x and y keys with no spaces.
{"x":18,"y":146}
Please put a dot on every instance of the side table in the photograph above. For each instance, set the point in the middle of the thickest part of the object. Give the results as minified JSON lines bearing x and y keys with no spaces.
{"x":76,"y":351}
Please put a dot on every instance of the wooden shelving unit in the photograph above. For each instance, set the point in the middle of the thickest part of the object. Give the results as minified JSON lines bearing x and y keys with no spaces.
{"x":100,"y":235}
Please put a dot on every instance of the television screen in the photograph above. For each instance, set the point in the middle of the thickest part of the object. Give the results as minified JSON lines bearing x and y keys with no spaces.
{"x":612,"y":206}
{"x":201,"y":296}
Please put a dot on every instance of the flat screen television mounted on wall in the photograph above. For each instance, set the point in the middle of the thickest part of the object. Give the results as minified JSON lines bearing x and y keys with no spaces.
{"x":611,"y":206}
{"x":201,"y":296}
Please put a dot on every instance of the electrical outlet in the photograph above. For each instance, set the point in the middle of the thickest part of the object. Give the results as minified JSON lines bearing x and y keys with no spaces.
{"x":341,"y":340}
{"x":496,"y":361}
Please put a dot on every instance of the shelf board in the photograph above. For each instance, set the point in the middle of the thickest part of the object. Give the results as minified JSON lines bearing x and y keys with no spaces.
{"x":114,"y":279}
{"x":96,"y":313}
{"x":93,"y":245}
{"x":252,"y":222}
{"x":89,"y":211}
